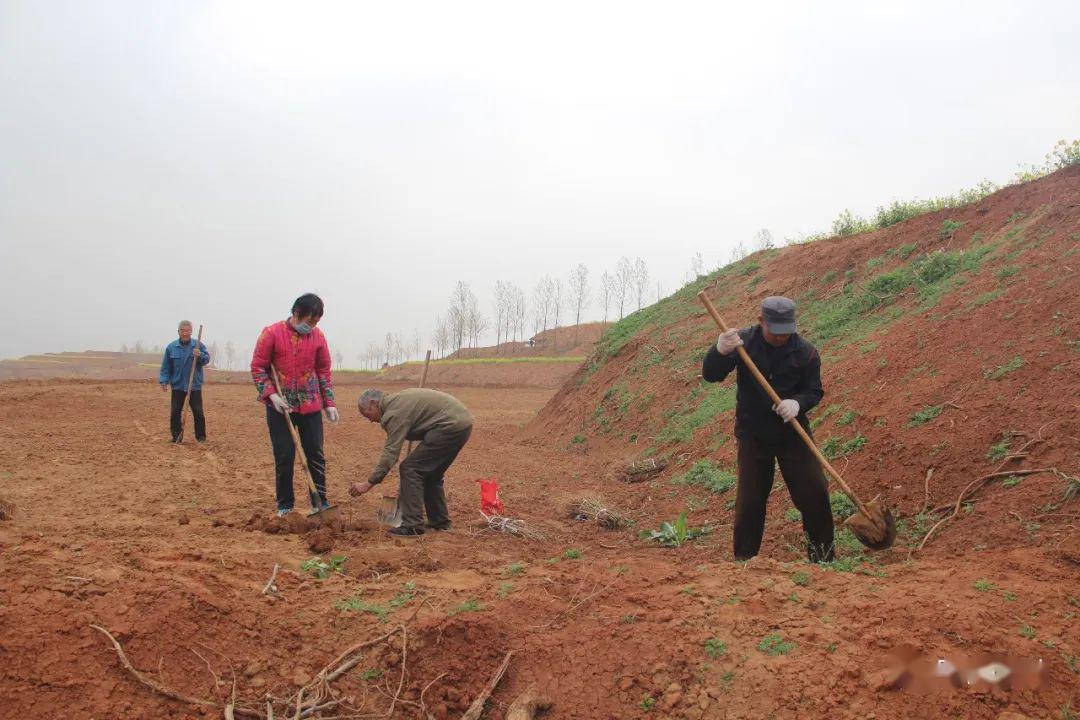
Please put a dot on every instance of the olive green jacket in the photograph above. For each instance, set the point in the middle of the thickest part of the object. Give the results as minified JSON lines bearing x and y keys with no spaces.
{"x":410,"y":415}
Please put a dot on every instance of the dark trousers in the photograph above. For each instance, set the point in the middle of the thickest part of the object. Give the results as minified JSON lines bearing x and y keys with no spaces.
{"x":311,"y":439}
{"x":805,"y":482}
{"x":422,"y":477}
{"x":196,"y":410}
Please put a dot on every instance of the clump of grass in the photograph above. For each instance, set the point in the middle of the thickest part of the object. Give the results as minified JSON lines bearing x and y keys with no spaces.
{"x":715,"y":647}
{"x":470,"y":605}
{"x":983,"y":585}
{"x":801,"y":578}
{"x":1002,"y":370}
{"x":841,"y":505}
{"x":514,"y":569}
{"x":998,"y":451}
{"x":323,"y":568}
{"x":928,"y":413}
{"x":792,"y":515}
{"x":774,"y":644}
{"x":708,"y":475}
{"x":1028,"y":632}
{"x":572,"y":554}
{"x":1011,"y":481}
{"x":846,"y":419}
{"x":853,"y":445}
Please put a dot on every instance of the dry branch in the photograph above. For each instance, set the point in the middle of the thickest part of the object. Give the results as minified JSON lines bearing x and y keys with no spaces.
{"x":477,"y":707}
{"x":162,"y":689}
{"x":971,"y":488}
{"x":926,"y":499}
{"x":270,"y":587}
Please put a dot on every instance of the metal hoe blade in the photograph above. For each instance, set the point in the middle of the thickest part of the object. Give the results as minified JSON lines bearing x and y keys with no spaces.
{"x":389,"y":512}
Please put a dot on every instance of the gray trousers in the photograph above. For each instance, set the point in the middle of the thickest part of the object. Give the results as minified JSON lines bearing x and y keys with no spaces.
{"x":422,"y":477}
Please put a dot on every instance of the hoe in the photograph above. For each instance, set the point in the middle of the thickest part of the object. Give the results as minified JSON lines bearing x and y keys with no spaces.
{"x":873,"y":524}
{"x":327,"y":514}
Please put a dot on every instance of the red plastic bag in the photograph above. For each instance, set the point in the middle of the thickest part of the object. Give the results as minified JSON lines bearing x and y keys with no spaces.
{"x":490,"y":504}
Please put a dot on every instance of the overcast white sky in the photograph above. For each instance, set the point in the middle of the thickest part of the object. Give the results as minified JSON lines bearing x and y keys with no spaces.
{"x":161,"y":160}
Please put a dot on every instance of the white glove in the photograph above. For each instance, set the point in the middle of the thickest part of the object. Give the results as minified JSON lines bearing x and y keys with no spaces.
{"x":332,"y":414}
{"x":280,"y":404}
{"x":787,"y":409}
{"x":728,"y":341}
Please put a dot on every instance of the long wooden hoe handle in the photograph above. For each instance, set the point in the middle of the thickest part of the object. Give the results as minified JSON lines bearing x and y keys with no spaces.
{"x":423,"y":380}
{"x":292,"y":428}
{"x":776,"y":400}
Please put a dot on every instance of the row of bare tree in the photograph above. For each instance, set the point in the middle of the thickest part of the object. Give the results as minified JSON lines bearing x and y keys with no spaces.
{"x":549,"y":306}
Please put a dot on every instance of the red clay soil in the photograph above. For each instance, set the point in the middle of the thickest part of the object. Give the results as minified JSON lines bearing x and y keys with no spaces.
{"x":113,"y":526}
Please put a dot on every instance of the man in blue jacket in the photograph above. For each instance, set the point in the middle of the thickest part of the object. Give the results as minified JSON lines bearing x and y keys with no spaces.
{"x":175,"y":368}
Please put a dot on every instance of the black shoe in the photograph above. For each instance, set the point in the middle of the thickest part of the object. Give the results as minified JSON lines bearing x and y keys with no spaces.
{"x":438,"y":526}
{"x":406,"y":531}
{"x":175,"y":441}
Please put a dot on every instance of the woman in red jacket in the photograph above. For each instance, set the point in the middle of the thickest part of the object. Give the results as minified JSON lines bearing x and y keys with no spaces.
{"x":298,"y":350}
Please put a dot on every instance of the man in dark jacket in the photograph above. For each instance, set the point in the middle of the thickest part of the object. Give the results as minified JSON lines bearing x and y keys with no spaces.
{"x":442,"y":425}
{"x":175,"y":369}
{"x":792,"y":366}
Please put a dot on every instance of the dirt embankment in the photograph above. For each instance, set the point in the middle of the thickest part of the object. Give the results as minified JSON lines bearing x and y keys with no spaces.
{"x":949,"y":342}
{"x":574,"y":340}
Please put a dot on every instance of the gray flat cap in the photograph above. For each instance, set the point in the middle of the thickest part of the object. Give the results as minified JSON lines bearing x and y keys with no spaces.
{"x":779,"y":314}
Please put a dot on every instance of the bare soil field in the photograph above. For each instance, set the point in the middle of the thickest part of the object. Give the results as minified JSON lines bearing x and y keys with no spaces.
{"x":170,"y":549}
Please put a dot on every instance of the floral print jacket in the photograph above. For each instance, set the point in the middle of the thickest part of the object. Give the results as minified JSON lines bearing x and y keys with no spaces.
{"x":302,"y":362}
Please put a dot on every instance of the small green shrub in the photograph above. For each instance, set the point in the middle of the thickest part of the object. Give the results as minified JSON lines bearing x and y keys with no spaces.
{"x":984,"y":585}
{"x":800,"y":578}
{"x":572,"y":554}
{"x":948,"y":229}
{"x":1011,"y":481}
{"x":674,"y":534}
{"x":846,"y":419}
{"x":792,"y":515}
{"x":774,"y":644}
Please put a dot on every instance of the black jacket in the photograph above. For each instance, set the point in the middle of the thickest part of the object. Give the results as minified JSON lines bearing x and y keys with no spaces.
{"x":794,"y":371}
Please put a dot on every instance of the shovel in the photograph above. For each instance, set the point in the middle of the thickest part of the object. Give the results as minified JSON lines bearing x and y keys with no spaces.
{"x":873,"y":524}
{"x":327,"y":514}
{"x":190,"y":380}
{"x":389,"y":512}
